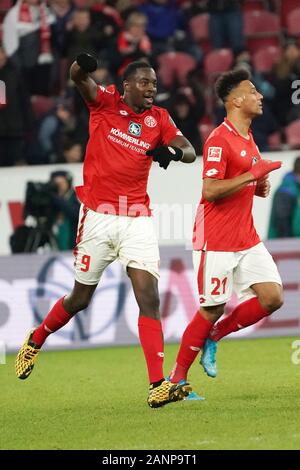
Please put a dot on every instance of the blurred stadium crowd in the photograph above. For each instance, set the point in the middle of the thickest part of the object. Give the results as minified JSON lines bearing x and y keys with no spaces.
{"x":188,"y":42}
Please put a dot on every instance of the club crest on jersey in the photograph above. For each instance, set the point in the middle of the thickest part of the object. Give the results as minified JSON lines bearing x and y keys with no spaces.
{"x":150,"y":121}
{"x":214,"y":154}
{"x":135,"y":129}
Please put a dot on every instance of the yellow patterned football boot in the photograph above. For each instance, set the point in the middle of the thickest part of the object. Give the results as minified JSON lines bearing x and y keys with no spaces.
{"x":167,"y":392}
{"x":26,"y":358}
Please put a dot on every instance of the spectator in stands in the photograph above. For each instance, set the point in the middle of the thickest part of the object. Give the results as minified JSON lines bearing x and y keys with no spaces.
{"x":226,"y":24}
{"x":168,"y":29}
{"x":72,"y":152}
{"x":82,"y":36}
{"x":15,"y":116}
{"x":102,"y":75}
{"x":164,"y":19}
{"x":187,"y":108}
{"x":186,"y":118}
{"x":52,"y":131}
{"x":285,"y":214}
{"x":193,"y":8}
{"x":126,"y":7}
{"x":63,"y":11}
{"x":133,"y":42}
{"x":27,"y":42}
{"x":66,"y":204}
{"x":106,"y":20}
{"x":51,"y":216}
{"x":284,"y":73}
{"x":243,"y":60}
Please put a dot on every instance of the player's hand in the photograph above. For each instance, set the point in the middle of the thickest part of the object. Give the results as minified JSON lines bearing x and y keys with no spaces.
{"x":263,"y":168}
{"x":263,"y":187}
{"x":165,"y":154}
{"x":87,"y":62}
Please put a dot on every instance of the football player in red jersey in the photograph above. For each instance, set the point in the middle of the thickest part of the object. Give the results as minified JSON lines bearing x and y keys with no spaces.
{"x":126,"y":133}
{"x":228,"y":254}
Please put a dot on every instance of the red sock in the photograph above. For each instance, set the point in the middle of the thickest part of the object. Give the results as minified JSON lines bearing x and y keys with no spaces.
{"x":243,"y":315}
{"x":192,"y":341}
{"x":56,"y":319}
{"x":151,"y":338}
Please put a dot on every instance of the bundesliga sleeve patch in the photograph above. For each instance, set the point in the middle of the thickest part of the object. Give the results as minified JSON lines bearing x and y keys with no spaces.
{"x":214,"y":154}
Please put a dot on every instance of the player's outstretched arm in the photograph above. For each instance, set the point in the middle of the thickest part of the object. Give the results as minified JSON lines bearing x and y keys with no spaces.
{"x":214,"y":189}
{"x":79,"y":73}
{"x":179,"y":149}
{"x":189,"y":154}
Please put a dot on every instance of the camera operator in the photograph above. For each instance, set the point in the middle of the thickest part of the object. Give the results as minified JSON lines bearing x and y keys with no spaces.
{"x":51,"y":216}
{"x":66,"y":204}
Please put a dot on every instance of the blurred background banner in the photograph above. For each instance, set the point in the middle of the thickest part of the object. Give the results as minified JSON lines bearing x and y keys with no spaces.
{"x":31,"y":283}
{"x":174,"y":196}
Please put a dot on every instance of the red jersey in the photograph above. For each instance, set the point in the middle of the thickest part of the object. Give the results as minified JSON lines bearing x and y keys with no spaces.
{"x":227,"y":224}
{"x":116,"y":169}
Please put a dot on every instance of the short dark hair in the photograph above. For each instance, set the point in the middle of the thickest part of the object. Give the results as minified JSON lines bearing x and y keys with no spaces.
{"x":297,"y":166}
{"x":228,"y":81}
{"x":133,"y":67}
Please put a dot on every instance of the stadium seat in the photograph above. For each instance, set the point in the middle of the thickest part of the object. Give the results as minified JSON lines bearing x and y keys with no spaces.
{"x":274,"y":141}
{"x":261,"y":23}
{"x":217,"y":61}
{"x":251,"y":5}
{"x":292,"y":132}
{"x":286,"y":7}
{"x":293,"y":23}
{"x":261,"y":29}
{"x":264,"y":59}
{"x":174,"y":66}
{"x":200,"y":31}
{"x":41,"y":105}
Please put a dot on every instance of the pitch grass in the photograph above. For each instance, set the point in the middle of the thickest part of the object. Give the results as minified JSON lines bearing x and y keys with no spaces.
{"x":96,"y":399}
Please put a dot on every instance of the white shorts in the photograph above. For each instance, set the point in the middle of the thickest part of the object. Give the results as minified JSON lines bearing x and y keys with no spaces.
{"x":102,"y":238}
{"x":219,"y":273}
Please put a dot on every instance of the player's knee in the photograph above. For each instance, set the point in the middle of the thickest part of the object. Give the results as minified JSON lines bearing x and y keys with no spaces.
{"x":148,"y":303}
{"x":212,"y":314}
{"x":273,"y":302}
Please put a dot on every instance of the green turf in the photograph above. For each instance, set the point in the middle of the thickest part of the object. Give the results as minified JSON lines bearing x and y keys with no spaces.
{"x":96,"y":399}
